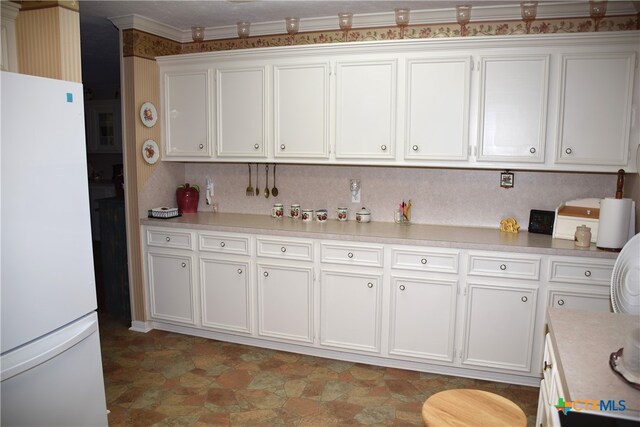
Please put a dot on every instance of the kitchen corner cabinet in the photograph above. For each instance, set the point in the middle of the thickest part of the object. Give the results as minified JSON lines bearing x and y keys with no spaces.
{"x":241,"y":100}
{"x":594,"y":119}
{"x":366,"y":109}
{"x":513,"y":108}
{"x":301,"y":110}
{"x":437,"y":103}
{"x":186,"y":114}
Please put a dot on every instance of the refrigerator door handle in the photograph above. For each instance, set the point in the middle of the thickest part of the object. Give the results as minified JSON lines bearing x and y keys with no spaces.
{"x":39,"y":351}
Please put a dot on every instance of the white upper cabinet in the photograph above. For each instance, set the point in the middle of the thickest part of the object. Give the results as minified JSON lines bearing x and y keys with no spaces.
{"x":366,"y":109}
{"x":513,"y":108}
{"x":595,"y":108}
{"x":186,"y":114}
{"x":301,"y":110}
{"x":437,"y":105}
{"x":241,"y":98}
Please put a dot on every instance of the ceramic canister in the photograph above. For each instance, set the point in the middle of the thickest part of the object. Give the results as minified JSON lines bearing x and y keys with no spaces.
{"x":363,"y":215}
{"x":307,"y":215}
{"x":322,"y":215}
{"x":277,"y":211}
{"x":343,"y":214}
{"x":294,"y":212}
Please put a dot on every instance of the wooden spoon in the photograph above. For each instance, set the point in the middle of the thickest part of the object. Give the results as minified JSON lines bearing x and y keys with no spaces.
{"x":274,"y":190}
{"x":266,"y":186}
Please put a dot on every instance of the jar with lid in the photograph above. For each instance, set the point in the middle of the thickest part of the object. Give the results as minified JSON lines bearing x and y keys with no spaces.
{"x":583,"y":236}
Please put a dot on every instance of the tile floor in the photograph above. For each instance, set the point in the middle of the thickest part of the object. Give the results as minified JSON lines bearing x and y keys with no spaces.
{"x":168,"y":379}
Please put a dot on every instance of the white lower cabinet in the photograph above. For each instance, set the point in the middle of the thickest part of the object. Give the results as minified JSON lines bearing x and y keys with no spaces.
{"x":499,"y":326}
{"x":285,"y":301}
{"x":350,"y":309}
{"x":422,"y":318}
{"x":171,"y":293}
{"x":225,"y":286}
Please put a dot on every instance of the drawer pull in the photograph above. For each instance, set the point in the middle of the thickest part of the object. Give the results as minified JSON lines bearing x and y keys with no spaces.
{"x":168,"y":239}
{"x":503,"y":267}
{"x":350,"y":254}
{"x":283,"y":249}
{"x":587,"y":273}
{"x":532,"y":150}
{"x":547,"y":366}
{"x":239,"y":271}
{"x":282,"y":147}
{"x":256,"y":146}
{"x":223,"y":244}
{"x":383,"y":147}
{"x":524,"y":299}
{"x":402,"y":288}
{"x":184,"y":264}
{"x":414,"y":148}
{"x":201,"y":146}
{"x":560,"y":302}
{"x":568,"y":151}
{"x":423,"y":260}
{"x":369,"y":285}
{"x":265,"y":274}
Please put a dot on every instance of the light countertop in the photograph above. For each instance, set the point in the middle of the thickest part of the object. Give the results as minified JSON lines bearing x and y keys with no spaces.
{"x":384,"y":232}
{"x":584,"y":341}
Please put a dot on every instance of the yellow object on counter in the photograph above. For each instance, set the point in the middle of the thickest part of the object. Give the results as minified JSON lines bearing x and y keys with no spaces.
{"x":510,"y":225}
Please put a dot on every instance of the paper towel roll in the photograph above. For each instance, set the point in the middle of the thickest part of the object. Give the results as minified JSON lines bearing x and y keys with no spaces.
{"x":613,"y":227}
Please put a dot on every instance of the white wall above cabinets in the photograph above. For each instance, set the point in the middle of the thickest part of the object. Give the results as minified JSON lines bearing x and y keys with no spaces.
{"x":562,"y":102}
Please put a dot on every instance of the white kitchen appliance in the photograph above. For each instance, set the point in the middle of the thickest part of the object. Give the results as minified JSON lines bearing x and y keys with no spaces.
{"x":50,"y":362}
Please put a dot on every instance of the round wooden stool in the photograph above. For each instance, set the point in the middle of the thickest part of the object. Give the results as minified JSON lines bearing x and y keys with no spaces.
{"x":467,"y":407}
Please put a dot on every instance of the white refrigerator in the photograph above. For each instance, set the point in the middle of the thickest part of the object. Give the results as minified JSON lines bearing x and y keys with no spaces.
{"x":50,"y":362}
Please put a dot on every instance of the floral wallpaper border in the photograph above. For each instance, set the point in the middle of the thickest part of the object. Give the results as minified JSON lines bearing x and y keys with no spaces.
{"x":141,"y":44}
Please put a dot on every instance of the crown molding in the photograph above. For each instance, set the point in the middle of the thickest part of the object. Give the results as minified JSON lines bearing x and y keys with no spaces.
{"x":9,"y":10}
{"x":419,"y":17}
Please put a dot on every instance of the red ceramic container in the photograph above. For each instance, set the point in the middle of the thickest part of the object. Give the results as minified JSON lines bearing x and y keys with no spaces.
{"x":187,"y":198}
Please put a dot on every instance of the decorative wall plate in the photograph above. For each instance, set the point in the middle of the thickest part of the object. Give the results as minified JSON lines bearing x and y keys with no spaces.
{"x":148,"y":114}
{"x":150,"y":151}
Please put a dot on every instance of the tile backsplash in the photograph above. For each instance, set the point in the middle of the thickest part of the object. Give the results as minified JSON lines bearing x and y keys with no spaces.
{"x":439,"y":196}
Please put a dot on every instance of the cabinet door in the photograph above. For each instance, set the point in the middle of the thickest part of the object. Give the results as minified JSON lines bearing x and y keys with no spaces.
{"x":366,"y":110}
{"x":350,"y":310}
{"x":225,"y":286}
{"x":513,"y":108}
{"x":241,"y":112}
{"x":423,"y":318}
{"x":301,"y":111}
{"x":437,"y":124}
{"x":171,"y":294}
{"x":499,"y":326}
{"x":285,"y":302}
{"x":186,"y":114}
{"x":595,"y":108}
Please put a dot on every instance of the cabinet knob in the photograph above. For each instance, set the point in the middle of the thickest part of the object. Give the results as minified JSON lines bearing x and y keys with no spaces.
{"x":587,"y":273}
{"x":414,"y":148}
{"x":423,"y":260}
{"x":350,"y":254}
{"x":184,"y":264}
{"x":560,"y":302}
{"x":239,"y":271}
{"x":568,"y":151}
{"x":201,"y":146}
{"x":265,"y":274}
{"x":369,"y":285}
{"x":223,"y":244}
{"x":282,"y":147}
{"x":283,"y":249}
{"x":168,"y":239}
{"x":402,"y":288}
{"x":532,"y":150}
{"x":256,"y":146}
{"x":524,"y":299}
{"x":383,"y":147}
{"x":547,"y":365}
{"x":503,"y":267}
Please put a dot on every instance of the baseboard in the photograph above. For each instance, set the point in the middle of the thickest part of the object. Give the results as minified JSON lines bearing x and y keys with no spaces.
{"x":138,"y":326}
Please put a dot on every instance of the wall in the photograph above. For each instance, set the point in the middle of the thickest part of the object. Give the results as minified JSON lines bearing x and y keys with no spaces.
{"x":440,"y":196}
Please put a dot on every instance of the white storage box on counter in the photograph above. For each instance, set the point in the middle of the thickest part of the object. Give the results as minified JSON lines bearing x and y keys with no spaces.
{"x":575,"y":213}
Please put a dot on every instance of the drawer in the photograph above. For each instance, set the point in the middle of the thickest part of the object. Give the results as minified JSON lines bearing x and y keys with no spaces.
{"x":170,"y":239}
{"x":584,"y":272}
{"x":224,"y":243}
{"x":512,"y":266}
{"x":573,"y":299}
{"x":285,"y":249}
{"x":425,"y":260}
{"x":351,"y":254}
